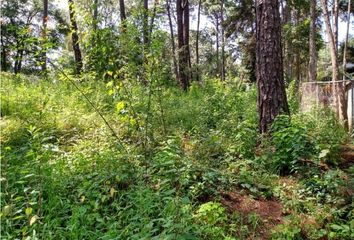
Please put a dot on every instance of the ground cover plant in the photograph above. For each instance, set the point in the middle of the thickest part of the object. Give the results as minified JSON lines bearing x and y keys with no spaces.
{"x":181,"y":120}
{"x":186,"y":174}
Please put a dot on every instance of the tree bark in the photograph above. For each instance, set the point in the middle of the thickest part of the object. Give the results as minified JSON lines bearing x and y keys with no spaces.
{"x":335,"y":22}
{"x":4,"y":53}
{"x":153,"y":17}
{"x":44,"y":35}
{"x":217,"y":43}
{"x":346,"y":40}
{"x":339,"y":94}
{"x":95,"y":14}
{"x":272,"y":99}
{"x":197,"y":42}
{"x":123,"y":17}
{"x":75,"y":38}
{"x":222,"y":42}
{"x":145,"y":23}
{"x":312,"y":43}
{"x":175,"y":67}
{"x":184,"y":64}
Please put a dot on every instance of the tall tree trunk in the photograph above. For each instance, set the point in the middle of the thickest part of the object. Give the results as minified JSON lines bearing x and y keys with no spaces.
{"x":346,"y":40}
{"x":222,"y":41}
{"x":272,"y":99}
{"x":288,"y":50}
{"x":197,"y":42}
{"x":95,"y":14}
{"x":123,"y":16}
{"x":145,"y":23}
{"x":339,"y":94}
{"x":182,"y":7}
{"x":44,"y":35}
{"x":156,"y":2}
{"x":75,"y":38}
{"x":312,"y":43}
{"x":3,"y":55}
{"x":335,"y":22}
{"x":217,"y":43}
{"x":175,"y":67}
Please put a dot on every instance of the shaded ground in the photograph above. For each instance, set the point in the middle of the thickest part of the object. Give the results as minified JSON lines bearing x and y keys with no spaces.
{"x":347,"y":155}
{"x":270,"y":212}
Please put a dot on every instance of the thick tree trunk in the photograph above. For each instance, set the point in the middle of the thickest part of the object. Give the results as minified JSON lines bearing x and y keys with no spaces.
{"x":272,"y":99}
{"x":175,"y":67}
{"x":346,"y":40}
{"x":44,"y":35}
{"x":339,"y":94}
{"x":312,"y":43}
{"x":197,"y":42}
{"x":75,"y":38}
{"x":222,"y":42}
{"x":183,"y":42}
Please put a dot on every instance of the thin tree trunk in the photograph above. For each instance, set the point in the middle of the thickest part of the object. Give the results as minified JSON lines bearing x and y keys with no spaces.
{"x":272,"y":99}
{"x":346,"y":40}
{"x":222,"y":42}
{"x":288,"y":51}
{"x":335,"y":22}
{"x":217,"y":44}
{"x":338,"y":92}
{"x":183,"y":42}
{"x":44,"y":35}
{"x":95,"y":15}
{"x":3,"y":55}
{"x":175,"y":67}
{"x":197,"y":42}
{"x":153,"y":17}
{"x":312,"y":43}
{"x":145,"y":23}
{"x":75,"y":38}
{"x":123,"y":16}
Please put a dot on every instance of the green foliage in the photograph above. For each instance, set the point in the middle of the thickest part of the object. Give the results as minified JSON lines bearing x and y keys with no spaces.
{"x":292,"y":145}
{"x":63,"y":174}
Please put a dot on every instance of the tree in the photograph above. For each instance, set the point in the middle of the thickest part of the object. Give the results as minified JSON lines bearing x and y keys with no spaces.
{"x":197,"y":42}
{"x":22,"y":42}
{"x":312,"y":43}
{"x":123,"y":17}
{"x":44,"y":35}
{"x":145,"y":22}
{"x":175,"y":67}
{"x":272,"y":99}
{"x":346,"y":40}
{"x":338,"y":91}
{"x":184,"y":63}
{"x":75,"y":38}
{"x":222,"y":41}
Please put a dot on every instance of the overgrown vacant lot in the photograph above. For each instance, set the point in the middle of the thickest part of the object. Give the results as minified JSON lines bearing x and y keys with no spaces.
{"x":184,"y":165}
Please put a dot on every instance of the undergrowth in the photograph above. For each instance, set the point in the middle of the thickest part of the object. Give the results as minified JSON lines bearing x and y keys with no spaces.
{"x":63,"y":174}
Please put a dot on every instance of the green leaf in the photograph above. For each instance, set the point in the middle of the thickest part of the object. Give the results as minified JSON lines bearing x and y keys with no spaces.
{"x":28,"y":211}
{"x":120,"y":106}
{"x":6,"y":210}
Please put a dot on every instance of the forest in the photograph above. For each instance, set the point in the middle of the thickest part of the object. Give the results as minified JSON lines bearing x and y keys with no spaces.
{"x":177,"y":119}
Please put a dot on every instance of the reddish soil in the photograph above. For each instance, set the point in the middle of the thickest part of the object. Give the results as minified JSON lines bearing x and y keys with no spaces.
{"x":269,"y":211}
